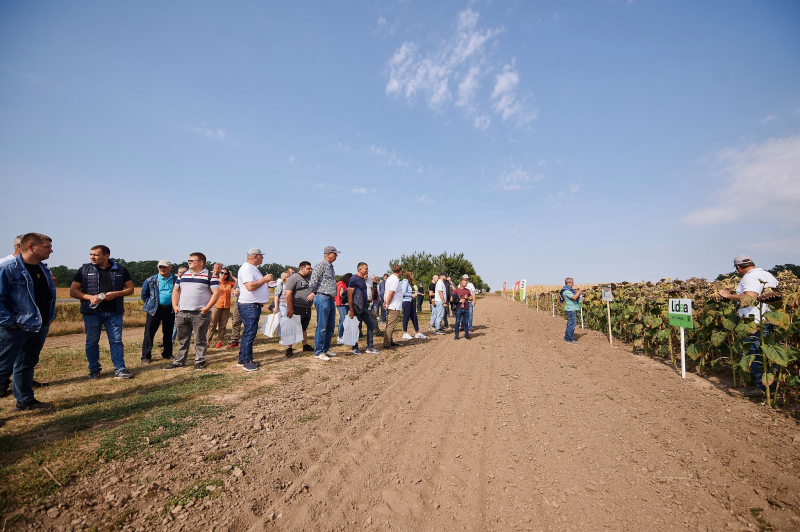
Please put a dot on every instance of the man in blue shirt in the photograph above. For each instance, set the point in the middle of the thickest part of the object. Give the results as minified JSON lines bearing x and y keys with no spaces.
{"x":572,"y":304}
{"x":157,"y":297}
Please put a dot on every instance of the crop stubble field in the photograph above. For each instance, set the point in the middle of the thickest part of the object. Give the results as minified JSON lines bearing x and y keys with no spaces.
{"x":514,"y":430}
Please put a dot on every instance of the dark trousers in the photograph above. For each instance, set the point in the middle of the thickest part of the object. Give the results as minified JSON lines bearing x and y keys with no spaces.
{"x":419,"y":303}
{"x":164,"y":317}
{"x":410,"y":313}
{"x":19,"y":354}
{"x":462,"y":317}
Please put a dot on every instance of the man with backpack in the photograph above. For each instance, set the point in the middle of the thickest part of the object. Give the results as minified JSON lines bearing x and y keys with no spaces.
{"x":357,"y":298}
{"x":193,"y":296}
{"x":572,"y":304}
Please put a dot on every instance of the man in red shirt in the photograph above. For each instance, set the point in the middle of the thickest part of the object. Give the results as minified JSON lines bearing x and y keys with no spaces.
{"x":461,"y":297}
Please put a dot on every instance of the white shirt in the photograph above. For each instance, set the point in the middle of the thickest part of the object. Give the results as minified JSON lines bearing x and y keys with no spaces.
{"x":393,"y":285}
{"x":368,"y":282}
{"x":440,"y":288}
{"x":7,"y":258}
{"x":751,"y":282}
{"x":471,"y":288}
{"x":250,"y":274}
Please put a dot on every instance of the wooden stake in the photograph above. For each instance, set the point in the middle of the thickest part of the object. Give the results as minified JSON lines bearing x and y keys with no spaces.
{"x":683,"y":356}
{"x":608,"y":308}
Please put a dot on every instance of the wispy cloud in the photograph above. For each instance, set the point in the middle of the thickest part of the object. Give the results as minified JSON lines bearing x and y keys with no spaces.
{"x":521,"y":231}
{"x":482,"y":122}
{"x":209,"y":132}
{"x":424,"y":199}
{"x":516,"y":179}
{"x":361,"y":190}
{"x":574,"y":188}
{"x":762,"y":179}
{"x":391,"y":156}
{"x":384,"y":26}
{"x":506,"y":100}
{"x":768,"y":118}
{"x":291,"y":160}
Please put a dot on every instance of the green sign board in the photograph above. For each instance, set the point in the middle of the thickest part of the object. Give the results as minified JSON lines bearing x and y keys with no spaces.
{"x":680,"y":313}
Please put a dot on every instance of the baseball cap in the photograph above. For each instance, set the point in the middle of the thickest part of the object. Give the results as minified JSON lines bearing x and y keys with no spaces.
{"x":331,"y":249}
{"x":443,"y":274}
{"x":465,"y":276}
{"x":254,"y":251}
{"x":164,"y":263}
{"x":741,"y":259}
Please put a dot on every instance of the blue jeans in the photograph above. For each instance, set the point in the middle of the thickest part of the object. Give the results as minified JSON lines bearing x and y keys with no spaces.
{"x":433,"y":314}
{"x":757,"y":367}
{"x":439,"y":315}
{"x":366,"y":317}
{"x":249,"y":313}
{"x":572,"y":319}
{"x":462,"y":318}
{"x":469,"y":321}
{"x":93,"y":324}
{"x":19,"y":354}
{"x":342,"y":314}
{"x":326,"y":323}
{"x":383,"y":313}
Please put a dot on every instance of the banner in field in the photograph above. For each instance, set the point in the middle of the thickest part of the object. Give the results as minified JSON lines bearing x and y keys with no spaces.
{"x":522,"y":285}
{"x":516,"y":289}
{"x":504,"y":288}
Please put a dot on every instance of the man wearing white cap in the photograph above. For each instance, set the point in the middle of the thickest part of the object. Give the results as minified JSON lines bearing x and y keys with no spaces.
{"x":753,"y":282}
{"x":254,"y":293}
{"x":157,"y":297}
{"x":323,"y":292}
{"x":471,"y":288}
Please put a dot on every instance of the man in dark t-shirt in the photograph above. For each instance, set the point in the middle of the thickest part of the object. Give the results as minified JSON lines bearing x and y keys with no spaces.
{"x":461,"y":298}
{"x":297,"y":302}
{"x":102,"y":285}
{"x":357,"y":283}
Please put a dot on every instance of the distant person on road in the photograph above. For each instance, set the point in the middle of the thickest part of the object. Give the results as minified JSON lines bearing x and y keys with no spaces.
{"x":222,"y":309}
{"x":439,"y":302}
{"x":194,"y":295}
{"x":461,"y":297}
{"x":323,"y":292}
{"x":358,"y":306}
{"x":17,"y":251}
{"x":432,"y":300}
{"x":407,"y":288}
{"x":471,"y":288}
{"x":298,"y":301}
{"x":382,"y":296}
{"x":753,"y":282}
{"x":572,"y":304}
{"x":157,"y":297}
{"x":102,"y":285}
{"x":393,"y":305}
{"x":341,"y":302}
{"x":420,"y":290}
{"x":254,"y":294}
{"x":25,"y":316}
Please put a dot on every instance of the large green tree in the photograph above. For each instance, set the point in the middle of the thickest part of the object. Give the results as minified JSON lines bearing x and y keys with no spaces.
{"x":426,"y":265}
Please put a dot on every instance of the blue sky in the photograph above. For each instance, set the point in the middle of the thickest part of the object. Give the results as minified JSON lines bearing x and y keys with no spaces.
{"x":606,"y":140}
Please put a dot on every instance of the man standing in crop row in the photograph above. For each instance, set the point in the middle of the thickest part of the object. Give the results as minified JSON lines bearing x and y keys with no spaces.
{"x":572,"y":304}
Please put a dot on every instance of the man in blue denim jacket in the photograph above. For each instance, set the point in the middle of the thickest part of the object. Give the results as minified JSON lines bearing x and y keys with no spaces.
{"x":157,"y":297}
{"x":27,"y":307}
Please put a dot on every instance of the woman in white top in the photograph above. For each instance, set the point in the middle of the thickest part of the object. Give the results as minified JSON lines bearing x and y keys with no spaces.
{"x":409,"y":306}
{"x":280,"y":295}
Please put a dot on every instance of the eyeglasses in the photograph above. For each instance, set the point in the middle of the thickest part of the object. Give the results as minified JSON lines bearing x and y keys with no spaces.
{"x":193,"y":260}
{"x":163,"y":267}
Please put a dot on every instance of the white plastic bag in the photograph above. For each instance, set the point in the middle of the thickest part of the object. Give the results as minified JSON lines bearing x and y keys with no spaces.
{"x":291,"y":330}
{"x":350,"y":331}
{"x":271,"y":326}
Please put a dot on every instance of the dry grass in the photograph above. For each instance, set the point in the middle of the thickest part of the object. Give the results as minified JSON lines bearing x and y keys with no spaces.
{"x":63,"y":293}
{"x":70,"y":321}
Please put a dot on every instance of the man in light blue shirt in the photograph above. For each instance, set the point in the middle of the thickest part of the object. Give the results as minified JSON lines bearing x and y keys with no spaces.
{"x":157,"y":296}
{"x":572,"y":304}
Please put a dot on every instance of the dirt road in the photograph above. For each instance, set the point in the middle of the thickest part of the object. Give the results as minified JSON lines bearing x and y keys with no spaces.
{"x":513,"y":430}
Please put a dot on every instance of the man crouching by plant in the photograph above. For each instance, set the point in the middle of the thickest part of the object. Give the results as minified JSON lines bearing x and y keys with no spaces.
{"x":572,"y":304}
{"x":753,"y":282}
{"x":25,"y":316}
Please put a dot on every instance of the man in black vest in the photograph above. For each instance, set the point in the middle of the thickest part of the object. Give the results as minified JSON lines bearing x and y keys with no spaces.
{"x":101,"y":285}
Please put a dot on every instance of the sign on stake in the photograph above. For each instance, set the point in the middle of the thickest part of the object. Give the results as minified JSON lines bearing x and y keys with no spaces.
{"x":608,"y":297}
{"x":680,"y":315}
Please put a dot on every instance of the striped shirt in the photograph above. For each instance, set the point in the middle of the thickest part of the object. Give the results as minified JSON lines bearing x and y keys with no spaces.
{"x":195,"y":289}
{"x":323,"y":279}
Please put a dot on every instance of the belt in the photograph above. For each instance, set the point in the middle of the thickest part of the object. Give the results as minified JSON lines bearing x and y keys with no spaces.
{"x":259,"y":304}
{"x":165,"y":306}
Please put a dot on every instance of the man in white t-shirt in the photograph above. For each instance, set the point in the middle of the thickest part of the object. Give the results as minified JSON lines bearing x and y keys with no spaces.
{"x":393,"y":305}
{"x":753,"y":282}
{"x":17,"y":250}
{"x":439,"y":302}
{"x":471,"y":288}
{"x":253,"y":294}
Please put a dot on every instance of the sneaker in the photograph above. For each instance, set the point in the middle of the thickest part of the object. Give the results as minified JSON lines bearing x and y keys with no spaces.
{"x":394,"y":344}
{"x":372,"y":351}
{"x":34,"y":382}
{"x":407,"y":336}
{"x":123,"y":374}
{"x":147,"y":360}
{"x":571,"y":341}
{"x":439,"y":331}
{"x":240,"y":364}
{"x":467,"y":338}
{"x":4,"y":391}
{"x":330,"y":354}
{"x":289,"y":352}
{"x":173,"y":366}
{"x":200,"y":365}
{"x":457,"y":338}
{"x":420,"y":336}
{"x":472,"y":330}
{"x":232,"y":345}
{"x":218,"y":346}
{"x":307,"y":348}
{"x":33,"y":405}
{"x":340,"y":340}
{"x":356,"y":351}
{"x":95,"y":374}
{"x":250,"y":366}
{"x":167,"y":357}
{"x":322,"y":356}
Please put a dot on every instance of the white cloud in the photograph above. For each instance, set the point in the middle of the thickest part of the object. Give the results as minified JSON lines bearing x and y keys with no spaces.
{"x":361,"y":190}
{"x":424,"y":199}
{"x":466,"y":89}
{"x":516,"y":179}
{"x":574,"y":188}
{"x":209,"y":132}
{"x":482,"y":122}
{"x":768,"y":118}
{"x":392,"y":158}
{"x":761,"y":180}
{"x":385,"y":27}
{"x":521,"y":230}
{"x":506,"y":101}
{"x":412,"y":73}
{"x":291,"y":160}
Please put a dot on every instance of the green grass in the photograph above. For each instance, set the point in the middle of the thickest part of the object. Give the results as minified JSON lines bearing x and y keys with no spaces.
{"x":196,"y":490}
{"x":310,"y":417}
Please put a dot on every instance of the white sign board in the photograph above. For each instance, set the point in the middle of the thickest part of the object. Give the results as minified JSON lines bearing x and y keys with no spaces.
{"x":607,"y":295}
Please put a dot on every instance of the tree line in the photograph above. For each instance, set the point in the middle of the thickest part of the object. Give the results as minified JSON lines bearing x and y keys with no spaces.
{"x":795,"y":269}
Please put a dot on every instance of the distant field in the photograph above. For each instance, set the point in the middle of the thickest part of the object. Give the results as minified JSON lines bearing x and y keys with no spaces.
{"x":63,"y":293}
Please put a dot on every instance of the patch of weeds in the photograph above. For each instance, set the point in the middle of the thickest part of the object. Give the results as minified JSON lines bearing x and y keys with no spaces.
{"x":295,"y":372}
{"x":520,"y":330}
{"x":195,"y":491}
{"x":310,"y":417}
{"x":398,"y":356}
{"x":215,"y":456}
{"x":324,"y":378}
{"x":259,"y":391}
{"x":352,"y":377}
{"x":573,"y":366}
{"x":764,"y":525}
